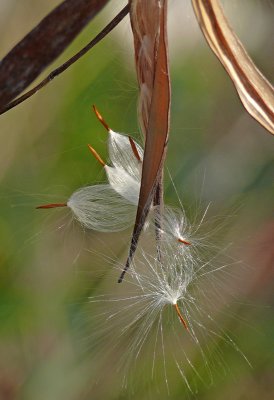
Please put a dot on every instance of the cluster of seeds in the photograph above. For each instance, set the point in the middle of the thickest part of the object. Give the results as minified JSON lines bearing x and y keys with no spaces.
{"x":157,"y":281}
{"x":112,"y":207}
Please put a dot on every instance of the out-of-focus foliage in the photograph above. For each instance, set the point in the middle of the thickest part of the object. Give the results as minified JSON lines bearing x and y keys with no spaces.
{"x":49,"y":266}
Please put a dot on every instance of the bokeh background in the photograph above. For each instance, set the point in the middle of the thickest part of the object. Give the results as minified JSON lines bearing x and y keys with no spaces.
{"x":50,"y":266}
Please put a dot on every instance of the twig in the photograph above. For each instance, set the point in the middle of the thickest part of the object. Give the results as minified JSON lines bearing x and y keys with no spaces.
{"x":69,"y":62}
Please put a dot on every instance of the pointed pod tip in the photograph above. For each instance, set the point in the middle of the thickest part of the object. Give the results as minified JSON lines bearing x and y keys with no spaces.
{"x":134,"y":149}
{"x":51,"y":205}
{"x":100,"y":118}
{"x":96,"y":155}
{"x":183,"y":241}
{"x":181,"y":318}
{"x":121,"y":277}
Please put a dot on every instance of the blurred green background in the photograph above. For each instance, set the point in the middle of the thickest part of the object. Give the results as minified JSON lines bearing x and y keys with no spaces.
{"x":217,"y":154}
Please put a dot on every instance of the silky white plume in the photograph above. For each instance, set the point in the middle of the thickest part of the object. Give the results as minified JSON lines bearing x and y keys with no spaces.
{"x":124,"y":184}
{"x":110,"y":207}
{"x":163,"y":313}
{"x":102,"y":209}
{"x":176,"y":226}
{"x":120,"y":180}
{"x":124,"y":152}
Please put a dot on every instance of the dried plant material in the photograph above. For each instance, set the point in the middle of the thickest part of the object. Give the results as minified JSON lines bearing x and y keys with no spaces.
{"x":256,"y":93}
{"x":145,"y":17}
{"x":153,"y":18}
{"x":51,"y":205}
{"x":53,"y":74}
{"x":43,"y":45}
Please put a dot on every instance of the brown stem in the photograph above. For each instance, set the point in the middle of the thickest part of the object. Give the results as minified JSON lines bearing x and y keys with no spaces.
{"x":96,"y":155}
{"x":69,"y":62}
{"x":51,"y":205}
{"x":100,"y":118}
{"x":180,"y":316}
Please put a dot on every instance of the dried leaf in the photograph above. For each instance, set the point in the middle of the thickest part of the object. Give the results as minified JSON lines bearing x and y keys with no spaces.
{"x":256,"y":93}
{"x":43,"y":45}
{"x":59,"y":70}
{"x":158,"y":110}
{"x":146,"y":34}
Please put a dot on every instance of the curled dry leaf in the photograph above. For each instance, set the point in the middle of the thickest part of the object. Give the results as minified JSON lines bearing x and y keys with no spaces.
{"x":152,"y":59}
{"x":43,"y":45}
{"x":256,"y":93}
{"x":146,"y":35}
{"x":144,"y":18}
